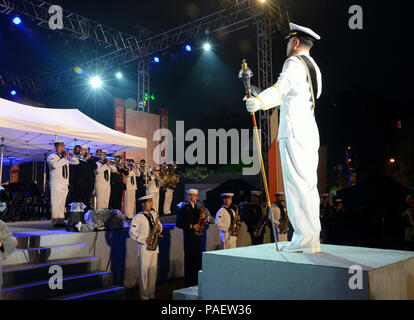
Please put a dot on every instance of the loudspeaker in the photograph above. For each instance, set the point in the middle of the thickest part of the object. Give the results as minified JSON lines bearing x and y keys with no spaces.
{"x":77,"y":214}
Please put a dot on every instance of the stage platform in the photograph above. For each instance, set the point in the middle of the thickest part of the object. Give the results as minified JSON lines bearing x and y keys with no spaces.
{"x":259,"y":272}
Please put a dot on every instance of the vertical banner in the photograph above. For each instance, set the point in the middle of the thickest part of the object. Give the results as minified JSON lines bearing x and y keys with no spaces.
{"x":119,"y":125}
{"x":164,"y":125}
{"x":119,"y":117}
{"x":119,"y":114}
{"x":15,"y":171}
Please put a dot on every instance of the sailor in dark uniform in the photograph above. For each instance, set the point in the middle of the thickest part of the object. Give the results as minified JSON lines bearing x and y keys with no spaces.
{"x":254,"y":216}
{"x":117,"y":185}
{"x":188,"y":219}
{"x":142,"y":178}
{"x":83,"y":177}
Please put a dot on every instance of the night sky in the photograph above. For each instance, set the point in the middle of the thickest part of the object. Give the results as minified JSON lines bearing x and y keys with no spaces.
{"x":367,"y":74}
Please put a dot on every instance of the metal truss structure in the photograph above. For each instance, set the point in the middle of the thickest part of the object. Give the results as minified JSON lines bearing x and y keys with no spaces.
{"x":74,"y":25}
{"x":125,"y":48}
{"x":18,"y":81}
{"x":265,"y":77}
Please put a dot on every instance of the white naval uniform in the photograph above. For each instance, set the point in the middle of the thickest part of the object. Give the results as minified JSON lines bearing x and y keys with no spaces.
{"x":276,"y":215}
{"x":299,"y":144}
{"x":154,"y":192}
{"x":147,"y":260}
{"x":102,"y":185}
{"x":167,"y":200}
{"x":130,"y":194}
{"x":59,"y":182}
{"x":223,"y":223}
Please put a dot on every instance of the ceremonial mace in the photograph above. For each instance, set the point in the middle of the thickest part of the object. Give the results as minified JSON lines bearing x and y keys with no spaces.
{"x":245,"y":75}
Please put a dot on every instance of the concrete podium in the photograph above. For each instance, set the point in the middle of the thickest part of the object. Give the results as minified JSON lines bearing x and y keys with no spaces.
{"x":261,"y":273}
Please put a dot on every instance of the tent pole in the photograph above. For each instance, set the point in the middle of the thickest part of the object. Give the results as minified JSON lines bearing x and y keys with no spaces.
{"x":145,"y":170}
{"x":1,"y":165}
{"x":44,"y":176}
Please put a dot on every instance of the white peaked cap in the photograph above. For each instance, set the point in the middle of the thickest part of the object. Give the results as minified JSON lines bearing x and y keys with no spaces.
{"x":296,"y":29}
{"x":225,"y":195}
{"x":144,"y":198}
{"x":192,"y":191}
{"x":256,"y":193}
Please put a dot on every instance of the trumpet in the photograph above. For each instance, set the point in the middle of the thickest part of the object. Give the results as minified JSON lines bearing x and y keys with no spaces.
{"x":66,"y":151}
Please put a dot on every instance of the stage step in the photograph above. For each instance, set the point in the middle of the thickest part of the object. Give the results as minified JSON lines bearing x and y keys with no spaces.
{"x":109,"y":293}
{"x":39,"y":290}
{"x":15,"y":274}
{"x":190,"y":293}
{"x":45,"y":254}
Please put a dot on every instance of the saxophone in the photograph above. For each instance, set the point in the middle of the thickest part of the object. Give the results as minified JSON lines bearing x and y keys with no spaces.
{"x":284,"y":223}
{"x":261,"y":225}
{"x":235,"y":227}
{"x":202,"y":222}
{"x":155,"y":236}
{"x":166,"y":176}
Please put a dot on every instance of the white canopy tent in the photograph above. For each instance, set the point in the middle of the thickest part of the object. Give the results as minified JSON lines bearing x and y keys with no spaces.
{"x":28,"y":133}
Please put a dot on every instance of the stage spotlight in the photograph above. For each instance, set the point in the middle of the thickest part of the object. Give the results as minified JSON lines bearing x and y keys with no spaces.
{"x":119,"y":75}
{"x":207,"y":46}
{"x":96,"y":82}
{"x":188,"y":48}
{"x":13,"y":92}
{"x":156,"y":60}
{"x":17,"y":21}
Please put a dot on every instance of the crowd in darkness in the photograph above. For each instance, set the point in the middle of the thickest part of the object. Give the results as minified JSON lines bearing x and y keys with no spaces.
{"x":342,"y":226}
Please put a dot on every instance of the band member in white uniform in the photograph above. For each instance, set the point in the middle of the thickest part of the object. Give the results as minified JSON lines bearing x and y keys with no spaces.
{"x":130,"y":192}
{"x":295,"y":93}
{"x":171,"y":184}
{"x":154,"y":186}
{"x":225,"y":218}
{"x":59,"y":181}
{"x":279,"y":215}
{"x":103,"y":181}
{"x":140,"y":231}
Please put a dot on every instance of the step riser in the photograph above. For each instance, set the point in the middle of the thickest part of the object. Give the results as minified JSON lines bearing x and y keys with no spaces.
{"x":112,"y":295}
{"x":70,"y":286}
{"x":46,"y":254}
{"x":47,"y":240}
{"x":14,"y":277}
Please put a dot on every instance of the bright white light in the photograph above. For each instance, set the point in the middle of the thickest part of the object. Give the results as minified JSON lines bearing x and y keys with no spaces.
{"x":207,"y":46}
{"x":96,"y":82}
{"x":262,"y":1}
{"x":17,"y":20}
{"x":119,"y":75}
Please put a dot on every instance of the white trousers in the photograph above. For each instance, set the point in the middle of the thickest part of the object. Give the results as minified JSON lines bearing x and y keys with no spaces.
{"x":130,"y":203}
{"x":102,"y":197}
{"x":167,"y":200}
{"x":227,"y":241}
{"x":299,"y":167}
{"x":147,"y":272}
{"x":155,"y":201}
{"x":58,"y":194}
{"x":230,"y":243}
